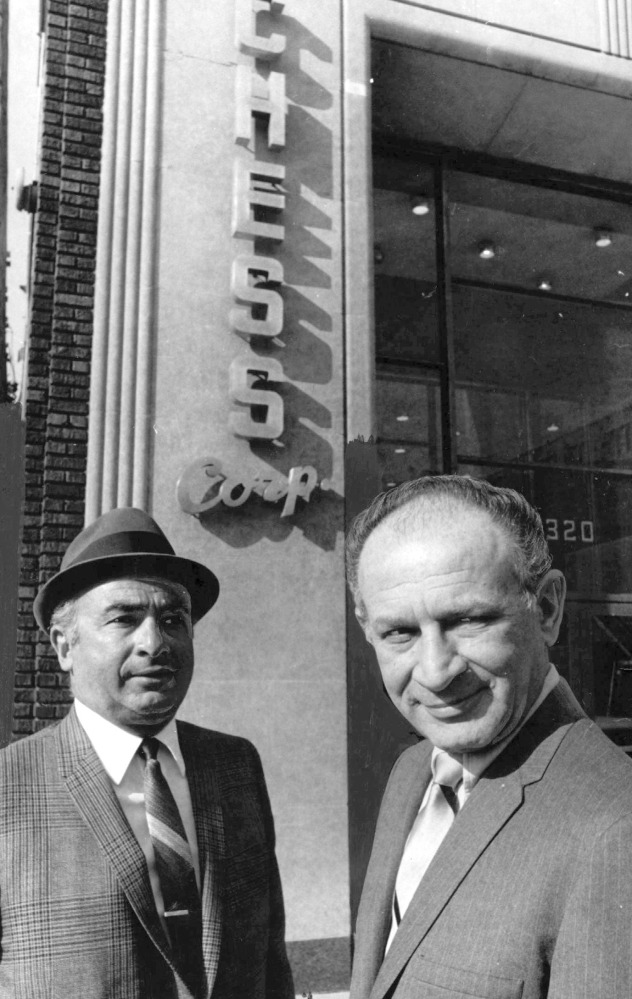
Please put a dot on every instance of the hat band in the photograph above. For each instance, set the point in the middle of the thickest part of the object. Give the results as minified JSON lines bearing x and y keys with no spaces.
{"x":123,"y":543}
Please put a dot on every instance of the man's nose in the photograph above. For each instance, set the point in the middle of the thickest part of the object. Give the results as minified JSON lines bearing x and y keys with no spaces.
{"x":150,"y":639}
{"x":437,"y":662}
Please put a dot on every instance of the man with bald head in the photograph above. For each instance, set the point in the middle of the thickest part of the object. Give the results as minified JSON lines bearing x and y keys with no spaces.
{"x":501,"y":862}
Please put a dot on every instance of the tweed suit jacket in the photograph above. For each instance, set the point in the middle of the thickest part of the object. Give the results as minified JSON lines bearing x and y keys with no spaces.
{"x":78,"y":918}
{"x":529,"y":894}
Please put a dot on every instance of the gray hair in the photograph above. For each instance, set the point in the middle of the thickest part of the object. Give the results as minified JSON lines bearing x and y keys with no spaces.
{"x":65,"y":617}
{"x":506,"y":507}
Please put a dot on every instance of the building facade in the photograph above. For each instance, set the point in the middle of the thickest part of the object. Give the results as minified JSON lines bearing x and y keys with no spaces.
{"x":286,"y":255}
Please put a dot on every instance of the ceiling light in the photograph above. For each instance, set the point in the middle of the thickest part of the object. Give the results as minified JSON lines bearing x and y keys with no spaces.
{"x":552,"y":429}
{"x":402,"y":419}
{"x":544,"y":284}
{"x":419,"y":205}
{"x":486,"y":250}
{"x":400,"y":450}
{"x":603,"y":237}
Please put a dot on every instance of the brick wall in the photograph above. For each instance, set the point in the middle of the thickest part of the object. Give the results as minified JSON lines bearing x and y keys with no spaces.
{"x":58,"y":372}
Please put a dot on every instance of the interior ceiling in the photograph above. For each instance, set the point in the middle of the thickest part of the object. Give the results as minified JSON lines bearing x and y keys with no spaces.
{"x":425,"y":97}
{"x":428,"y":99}
{"x":528,"y":245}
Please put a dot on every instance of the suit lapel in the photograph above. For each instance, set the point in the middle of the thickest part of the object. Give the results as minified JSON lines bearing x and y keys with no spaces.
{"x":497,"y":796}
{"x":399,"y":807}
{"x":209,"y":827}
{"x":483,"y":816}
{"x":94,"y":797}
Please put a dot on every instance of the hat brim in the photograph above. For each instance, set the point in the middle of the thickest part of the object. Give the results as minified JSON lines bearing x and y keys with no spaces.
{"x":201,"y":584}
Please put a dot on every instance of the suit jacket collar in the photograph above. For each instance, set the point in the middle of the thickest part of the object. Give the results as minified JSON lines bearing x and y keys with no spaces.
{"x":91,"y":789}
{"x":498,"y":794}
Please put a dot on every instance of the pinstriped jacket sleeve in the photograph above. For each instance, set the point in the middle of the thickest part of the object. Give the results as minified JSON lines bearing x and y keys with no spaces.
{"x":593,"y":952}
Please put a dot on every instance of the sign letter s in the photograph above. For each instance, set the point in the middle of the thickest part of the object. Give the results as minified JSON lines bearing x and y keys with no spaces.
{"x":245,"y":373}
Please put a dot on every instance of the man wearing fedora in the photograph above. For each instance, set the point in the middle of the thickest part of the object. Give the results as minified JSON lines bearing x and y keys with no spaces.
{"x":136,"y":853}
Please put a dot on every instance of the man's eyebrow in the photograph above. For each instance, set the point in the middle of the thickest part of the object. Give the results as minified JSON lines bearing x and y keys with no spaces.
{"x":467,"y":606}
{"x":122,"y":606}
{"x":392,"y":621}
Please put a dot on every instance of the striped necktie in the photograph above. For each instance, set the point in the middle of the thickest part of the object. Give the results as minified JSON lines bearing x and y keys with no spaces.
{"x":174,"y":864}
{"x":428,"y":830}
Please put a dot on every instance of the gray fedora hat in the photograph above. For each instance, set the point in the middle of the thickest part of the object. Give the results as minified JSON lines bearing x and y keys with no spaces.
{"x":121,"y":542}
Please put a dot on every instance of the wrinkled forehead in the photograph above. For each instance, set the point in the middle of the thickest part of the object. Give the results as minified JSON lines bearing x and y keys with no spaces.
{"x":140,"y":588}
{"x":170,"y":587}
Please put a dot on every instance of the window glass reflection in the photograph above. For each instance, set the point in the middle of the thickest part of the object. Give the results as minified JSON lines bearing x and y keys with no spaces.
{"x":405,"y":275}
{"x":567,"y":366}
{"x":408,"y":424}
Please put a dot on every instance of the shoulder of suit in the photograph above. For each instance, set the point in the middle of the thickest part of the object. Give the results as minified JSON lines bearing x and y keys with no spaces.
{"x":590,"y":780}
{"x":593,"y":753}
{"x":211,"y":735}
{"x":219,"y":744}
{"x":28,"y":742}
{"x":29,"y":749}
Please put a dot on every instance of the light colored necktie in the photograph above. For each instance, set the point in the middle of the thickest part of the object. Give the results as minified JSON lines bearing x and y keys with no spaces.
{"x":429,"y":829}
{"x":174,"y":864}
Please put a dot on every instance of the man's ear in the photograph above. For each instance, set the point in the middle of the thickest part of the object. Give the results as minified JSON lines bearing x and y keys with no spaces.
{"x":550,"y":597}
{"x":361,"y":617}
{"x":62,"y":646}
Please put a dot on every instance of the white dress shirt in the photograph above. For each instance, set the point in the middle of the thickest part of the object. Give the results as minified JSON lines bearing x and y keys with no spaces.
{"x":118,"y":752}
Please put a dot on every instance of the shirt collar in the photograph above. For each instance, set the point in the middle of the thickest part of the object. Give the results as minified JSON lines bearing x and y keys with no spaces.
{"x":475,"y":763}
{"x":116,"y":748}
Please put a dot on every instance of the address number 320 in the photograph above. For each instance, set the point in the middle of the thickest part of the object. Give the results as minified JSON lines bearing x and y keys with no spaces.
{"x":569,"y":530}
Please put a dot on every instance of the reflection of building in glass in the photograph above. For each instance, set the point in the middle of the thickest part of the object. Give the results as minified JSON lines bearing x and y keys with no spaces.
{"x":607,"y":441}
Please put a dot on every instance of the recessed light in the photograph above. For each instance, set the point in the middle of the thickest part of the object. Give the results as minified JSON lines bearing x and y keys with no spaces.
{"x":603,"y":237}
{"x":486,"y":250}
{"x":545,"y":284}
{"x":552,"y":429}
{"x":419,"y":205}
{"x":403,"y":418}
{"x":400,"y":450}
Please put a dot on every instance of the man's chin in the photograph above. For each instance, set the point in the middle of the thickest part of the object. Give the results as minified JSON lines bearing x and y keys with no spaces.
{"x":152,"y":710}
{"x":472,"y":736}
